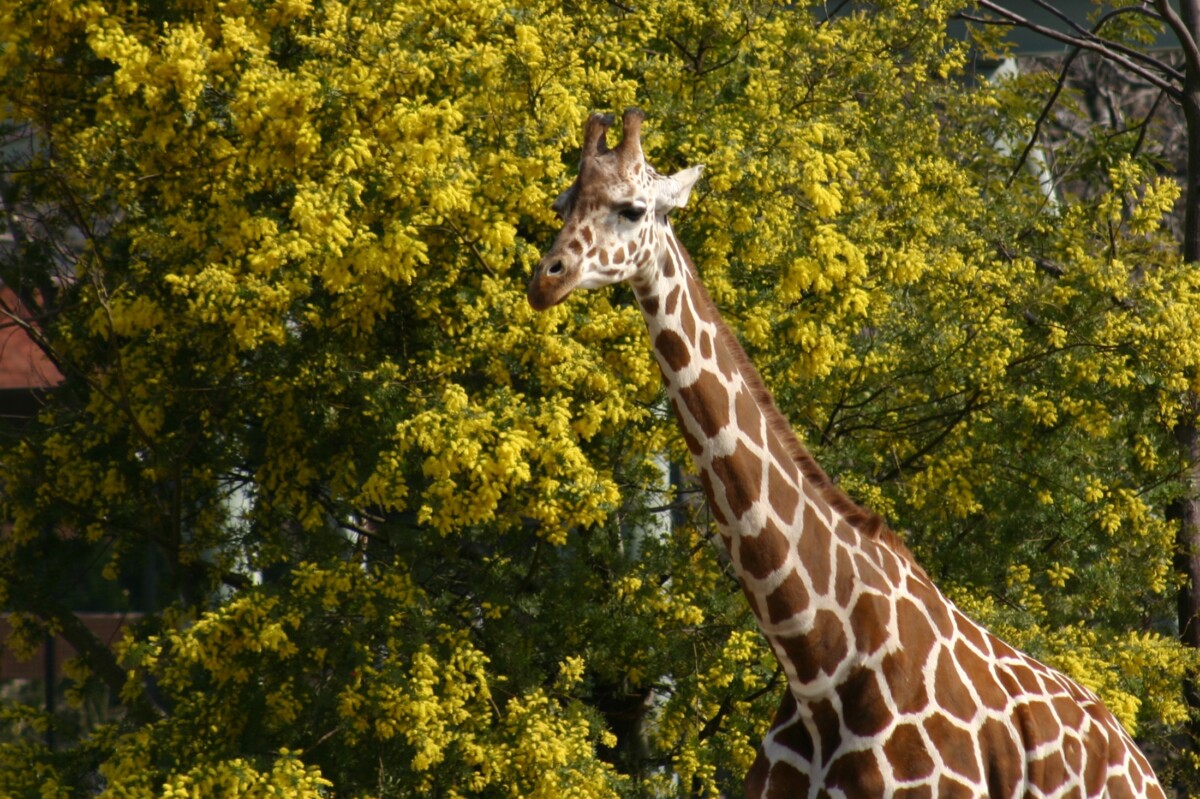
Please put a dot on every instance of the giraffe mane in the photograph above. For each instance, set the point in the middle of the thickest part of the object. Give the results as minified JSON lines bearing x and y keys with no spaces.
{"x":862,"y":518}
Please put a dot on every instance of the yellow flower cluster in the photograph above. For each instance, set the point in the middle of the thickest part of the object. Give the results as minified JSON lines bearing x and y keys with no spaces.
{"x":297,"y":346}
{"x":430,"y":705}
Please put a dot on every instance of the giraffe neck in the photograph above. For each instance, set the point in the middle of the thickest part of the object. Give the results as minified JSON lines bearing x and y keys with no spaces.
{"x":819,"y":572}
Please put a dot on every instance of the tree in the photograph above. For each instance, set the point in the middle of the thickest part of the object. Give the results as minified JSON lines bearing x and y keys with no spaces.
{"x":278,"y":252}
{"x":1120,"y":36}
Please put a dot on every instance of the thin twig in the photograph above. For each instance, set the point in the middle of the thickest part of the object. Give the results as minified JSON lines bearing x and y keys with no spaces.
{"x":1037,"y":127}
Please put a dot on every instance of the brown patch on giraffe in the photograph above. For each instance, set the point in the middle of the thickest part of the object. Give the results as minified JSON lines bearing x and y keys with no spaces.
{"x":761,"y":555}
{"x":821,"y":649}
{"x":668,"y":267}
{"x":904,"y":667}
{"x":1005,"y":760}
{"x":829,"y":728}
{"x":956,"y":746}
{"x":585,"y":233}
{"x":1069,"y":712}
{"x":618,"y":257}
{"x":706,"y":346}
{"x":878,"y":553}
{"x":1008,"y":682}
{"x":574,"y":246}
{"x":726,"y":363}
{"x":741,"y":474}
{"x":1139,"y":780}
{"x":847,"y":534}
{"x":1118,"y":788}
{"x":906,"y":687}
{"x":864,"y":710}
{"x":1095,"y":744}
{"x":868,"y":573}
{"x":869,"y":622}
{"x":916,"y":633}
{"x":812,"y":494}
{"x":980,"y":676}
{"x":749,"y":418}
{"x":706,"y":483}
{"x":1059,"y":685}
{"x":788,"y":598}
{"x":782,"y":494}
{"x":1001,"y":650}
{"x":1026,"y":678}
{"x":780,"y":455}
{"x":1116,"y":748}
{"x":950,"y":692}
{"x":786,"y":782}
{"x":1048,"y":773}
{"x":687,"y":321}
{"x":927,"y":596}
{"x":707,"y":402}
{"x":843,"y":579}
{"x":673,"y":349}
{"x":857,"y":774}
{"x":971,"y":631}
{"x":603,"y":256}
{"x":1037,"y":723}
{"x":796,"y":738}
{"x":890,"y":562}
{"x":906,"y":751}
{"x":693,"y":443}
{"x":1072,"y":751}
{"x":672,"y":300}
{"x":815,"y":553}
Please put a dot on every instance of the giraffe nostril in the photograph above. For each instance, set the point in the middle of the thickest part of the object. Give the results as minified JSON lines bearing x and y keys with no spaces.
{"x":555,"y":268}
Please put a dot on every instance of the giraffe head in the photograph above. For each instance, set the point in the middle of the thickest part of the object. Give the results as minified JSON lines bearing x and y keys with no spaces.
{"x":614,"y":214}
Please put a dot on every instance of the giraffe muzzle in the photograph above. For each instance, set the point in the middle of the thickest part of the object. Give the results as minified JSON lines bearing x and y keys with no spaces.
{"x":551,"y":284}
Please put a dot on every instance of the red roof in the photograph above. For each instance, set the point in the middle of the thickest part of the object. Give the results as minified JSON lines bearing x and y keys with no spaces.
{"x":22,"y":363}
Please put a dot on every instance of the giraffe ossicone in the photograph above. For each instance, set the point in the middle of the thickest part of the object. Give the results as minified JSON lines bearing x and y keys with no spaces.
{"x":892,"y":691}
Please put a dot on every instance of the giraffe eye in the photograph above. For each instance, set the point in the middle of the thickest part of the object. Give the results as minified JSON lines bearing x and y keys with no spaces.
{"x":632,"y":213}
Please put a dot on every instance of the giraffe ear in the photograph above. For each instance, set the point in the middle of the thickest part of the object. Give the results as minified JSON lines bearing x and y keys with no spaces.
{"x":673,"y":191}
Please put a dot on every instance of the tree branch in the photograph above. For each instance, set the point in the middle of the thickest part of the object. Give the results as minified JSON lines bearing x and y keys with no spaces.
{"x":98,"y":657}
{"x":1113,"y":51}
{"x":1186,"y":37}
{"x":1037,"y":127}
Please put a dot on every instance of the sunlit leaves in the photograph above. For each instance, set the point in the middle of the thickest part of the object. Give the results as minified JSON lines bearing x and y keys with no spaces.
{"x":409,"y":535}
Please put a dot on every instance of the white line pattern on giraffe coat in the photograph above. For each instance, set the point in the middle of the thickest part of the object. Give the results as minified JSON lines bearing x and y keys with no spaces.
{"x":893,"y":692}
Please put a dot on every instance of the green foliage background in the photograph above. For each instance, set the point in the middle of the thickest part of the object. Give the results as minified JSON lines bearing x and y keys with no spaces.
{"x":405,"y":536}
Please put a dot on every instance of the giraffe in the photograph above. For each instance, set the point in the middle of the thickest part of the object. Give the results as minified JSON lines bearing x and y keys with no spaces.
{"x":892,"y":691}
